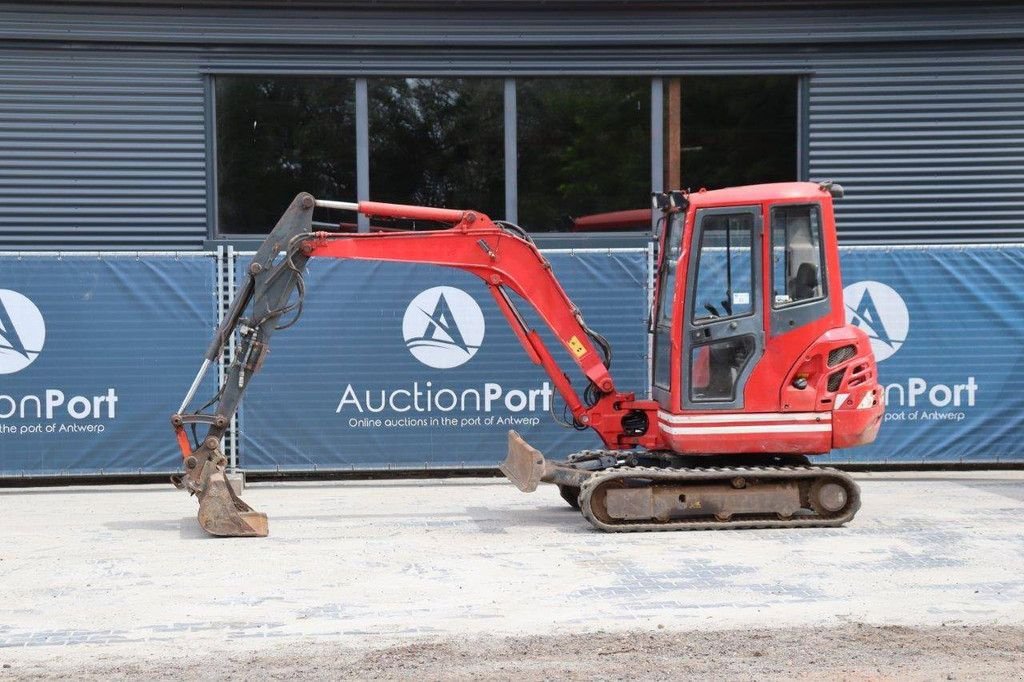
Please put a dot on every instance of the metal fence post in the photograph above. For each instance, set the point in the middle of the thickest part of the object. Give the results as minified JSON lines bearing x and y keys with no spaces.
{"x":233,"y":432}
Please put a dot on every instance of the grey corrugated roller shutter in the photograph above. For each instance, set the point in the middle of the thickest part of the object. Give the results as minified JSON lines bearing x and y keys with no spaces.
{"x":100,"y":150}
{"x":607,"y":24}
{"x":918,"y":109}
{"x":930,"y":145}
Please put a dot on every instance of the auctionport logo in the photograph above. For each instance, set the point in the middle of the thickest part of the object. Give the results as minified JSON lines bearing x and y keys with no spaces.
{"x":22,"y":332}
{"x":881,"y":312}
{"x":443,"y":327}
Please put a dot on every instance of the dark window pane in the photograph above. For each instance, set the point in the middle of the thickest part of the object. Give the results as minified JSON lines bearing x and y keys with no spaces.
{"x":438,"y":142}
{"x":730,"y":130}
{"x":662,"y":362}
{"x":278,"y":136}
{"x":584,"y":148}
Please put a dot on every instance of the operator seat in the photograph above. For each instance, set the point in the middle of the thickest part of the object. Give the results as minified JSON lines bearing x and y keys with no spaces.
{"x":804,"y":285}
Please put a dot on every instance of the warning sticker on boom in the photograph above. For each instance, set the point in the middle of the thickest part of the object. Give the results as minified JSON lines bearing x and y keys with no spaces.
{"x":576,"y":347}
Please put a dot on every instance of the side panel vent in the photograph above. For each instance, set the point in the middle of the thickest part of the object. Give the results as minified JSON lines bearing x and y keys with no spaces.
{"x":836,"y":378}
{"x":840,"y":354}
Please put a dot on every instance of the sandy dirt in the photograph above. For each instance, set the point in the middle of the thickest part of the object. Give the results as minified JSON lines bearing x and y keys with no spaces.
{"x":852,"y":652}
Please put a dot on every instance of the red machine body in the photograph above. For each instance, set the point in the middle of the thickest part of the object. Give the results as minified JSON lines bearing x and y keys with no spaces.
{"x":752,"y":356}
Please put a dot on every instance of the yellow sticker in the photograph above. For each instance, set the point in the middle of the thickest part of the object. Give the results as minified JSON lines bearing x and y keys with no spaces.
{"x":576,"y":347}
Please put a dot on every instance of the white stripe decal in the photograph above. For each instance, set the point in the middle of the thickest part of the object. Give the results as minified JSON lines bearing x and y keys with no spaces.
{"x":840,"y":399}
{"x":750,"y":430}
{"x":734,"y":418}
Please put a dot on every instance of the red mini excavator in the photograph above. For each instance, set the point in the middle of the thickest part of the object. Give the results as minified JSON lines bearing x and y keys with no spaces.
{"x":754,"y":367}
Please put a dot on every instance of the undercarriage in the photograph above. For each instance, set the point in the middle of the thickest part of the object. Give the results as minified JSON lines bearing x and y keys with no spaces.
{"x":628,"y":491}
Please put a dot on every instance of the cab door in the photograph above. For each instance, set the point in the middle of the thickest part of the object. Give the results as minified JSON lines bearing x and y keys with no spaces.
{"x":723,"y":325}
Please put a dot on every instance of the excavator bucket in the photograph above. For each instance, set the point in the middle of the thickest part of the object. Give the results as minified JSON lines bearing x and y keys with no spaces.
{"x":223,"y":513}
{"x":524,"y":464}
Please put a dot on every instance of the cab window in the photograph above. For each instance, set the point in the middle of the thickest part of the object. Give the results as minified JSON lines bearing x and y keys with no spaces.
{"x":798,"y":272}
{"x":666,"y":293}
{"x":725,"y":267}
{"x":666,"y":290}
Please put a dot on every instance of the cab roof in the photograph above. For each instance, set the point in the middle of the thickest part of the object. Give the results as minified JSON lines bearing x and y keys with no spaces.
{"x":755,"y":194}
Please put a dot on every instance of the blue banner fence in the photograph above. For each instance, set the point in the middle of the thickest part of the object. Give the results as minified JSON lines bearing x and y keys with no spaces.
{"x":93,"y":350}
{"x":411,"y":367}
{"x":947,"y":326}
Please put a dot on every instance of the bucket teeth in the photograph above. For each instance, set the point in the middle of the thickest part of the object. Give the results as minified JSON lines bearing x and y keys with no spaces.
{"x":223,"y":513}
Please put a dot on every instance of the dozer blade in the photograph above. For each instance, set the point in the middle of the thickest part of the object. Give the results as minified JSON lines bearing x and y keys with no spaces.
{"x":523,"y":465}
{"x":526,"y":467}
{"x":223,"y":513}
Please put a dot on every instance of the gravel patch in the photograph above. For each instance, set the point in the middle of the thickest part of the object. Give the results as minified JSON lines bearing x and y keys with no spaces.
{"x":850,"y":652}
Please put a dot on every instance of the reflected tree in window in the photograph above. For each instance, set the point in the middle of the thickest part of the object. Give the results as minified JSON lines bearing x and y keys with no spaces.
{"x":438,"y":142}
{"x":277,"y":136}
{"x":724,"y":131}
{"x":584,"y":148}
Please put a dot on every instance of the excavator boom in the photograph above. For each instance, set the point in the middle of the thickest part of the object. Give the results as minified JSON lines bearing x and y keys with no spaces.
{"x":270,"y":299}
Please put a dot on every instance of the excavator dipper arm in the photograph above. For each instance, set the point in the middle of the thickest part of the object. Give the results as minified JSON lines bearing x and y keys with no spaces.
{"x":268,"y":291}
{"x":501,"y":256}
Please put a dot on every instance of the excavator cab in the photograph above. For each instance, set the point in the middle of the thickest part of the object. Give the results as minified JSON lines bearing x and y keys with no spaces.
{"x":750,"y":336}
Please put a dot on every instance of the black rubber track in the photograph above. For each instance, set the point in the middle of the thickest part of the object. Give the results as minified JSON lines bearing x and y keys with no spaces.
{"x":658,"y":475}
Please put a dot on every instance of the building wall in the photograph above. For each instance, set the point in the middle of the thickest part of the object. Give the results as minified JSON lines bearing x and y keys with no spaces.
{"x":101,"y":149}
{"x":916,"y":108}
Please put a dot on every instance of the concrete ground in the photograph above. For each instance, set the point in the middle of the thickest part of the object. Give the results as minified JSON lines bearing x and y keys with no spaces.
{"x":94,"y":579}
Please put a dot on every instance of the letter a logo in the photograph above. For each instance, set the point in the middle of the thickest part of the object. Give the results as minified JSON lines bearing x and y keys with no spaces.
{"x":443,"y":327}
{"x":881,"y":312}
{"x":22,"y":332}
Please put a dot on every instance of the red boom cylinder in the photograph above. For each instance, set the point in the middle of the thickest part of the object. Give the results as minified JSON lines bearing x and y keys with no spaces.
{"x":382,"y":210}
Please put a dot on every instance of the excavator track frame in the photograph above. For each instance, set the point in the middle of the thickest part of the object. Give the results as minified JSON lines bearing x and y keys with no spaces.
{"x":719,"y":497}
{"x":808,"y":481}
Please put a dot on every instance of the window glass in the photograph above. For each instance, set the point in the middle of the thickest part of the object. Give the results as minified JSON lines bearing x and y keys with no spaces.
{"x":438,"y":142}
{"x":724,"y":131}
{"x":725,"y":267}
{"x":278,"y":136}
{"x":797,"y":273}
{"x":584,"y":152}
{"x":666,"y":292}
{"x":666,"y":289}
{"x":715,"y":368}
